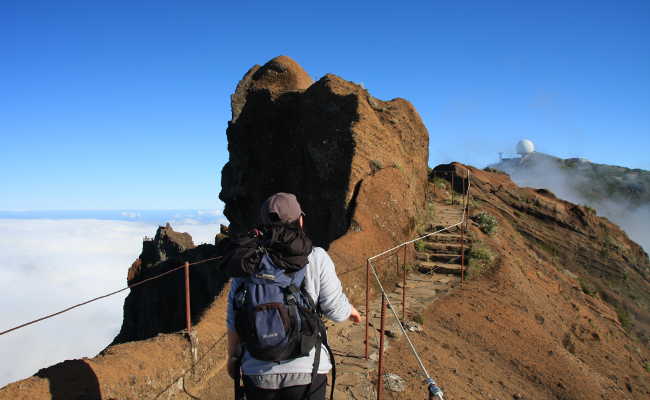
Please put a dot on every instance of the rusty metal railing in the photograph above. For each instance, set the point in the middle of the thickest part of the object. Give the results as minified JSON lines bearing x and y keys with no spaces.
{"x":433,"y":389}
{"x":188,"y":319}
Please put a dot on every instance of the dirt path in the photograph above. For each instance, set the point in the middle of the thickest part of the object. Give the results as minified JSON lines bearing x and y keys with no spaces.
{"x":356,"y":376}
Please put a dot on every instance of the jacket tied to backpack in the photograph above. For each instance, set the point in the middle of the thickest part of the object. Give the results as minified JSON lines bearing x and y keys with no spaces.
{"x":287,"y":246}
{"x":275,"y":318}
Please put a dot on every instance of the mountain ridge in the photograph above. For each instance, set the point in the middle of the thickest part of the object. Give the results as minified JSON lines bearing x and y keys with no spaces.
{"x":557,"y":305}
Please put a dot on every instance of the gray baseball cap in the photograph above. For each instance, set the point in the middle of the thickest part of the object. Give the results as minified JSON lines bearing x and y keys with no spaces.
{"x":284,"y":205}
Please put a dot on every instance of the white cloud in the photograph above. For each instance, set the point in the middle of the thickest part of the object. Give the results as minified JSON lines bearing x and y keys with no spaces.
{"x":213,"y":213}
{"x":130,"y":214}
{"x":48,"y":265}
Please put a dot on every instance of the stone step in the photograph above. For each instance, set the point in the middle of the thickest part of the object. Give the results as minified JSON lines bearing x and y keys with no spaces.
{"x":442,"y":224}
{"x":445,"y":238}
{"x":446,"y":247}
{"x":426,"y":254}
{"x":426,"y":266}
{"x":423,"y":287}
{"x":449,"y":214}
{"x":444,"y":257}
{"x":440,"y":256}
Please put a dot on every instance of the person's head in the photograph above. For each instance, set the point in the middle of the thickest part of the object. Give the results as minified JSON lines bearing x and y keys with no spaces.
{"x":283,"y":208}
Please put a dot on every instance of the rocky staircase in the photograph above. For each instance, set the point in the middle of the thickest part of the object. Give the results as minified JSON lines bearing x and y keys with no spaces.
{"x":437,"y":272}
{"x":442,"y":253}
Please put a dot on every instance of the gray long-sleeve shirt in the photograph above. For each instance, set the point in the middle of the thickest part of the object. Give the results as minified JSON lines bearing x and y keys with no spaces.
{"x":324,"y":287}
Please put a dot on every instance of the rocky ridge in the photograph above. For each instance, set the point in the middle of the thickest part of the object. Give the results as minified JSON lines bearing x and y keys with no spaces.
{"x":559,"y":312}
{"x":556,"y":306}
{"x":617,"y":193}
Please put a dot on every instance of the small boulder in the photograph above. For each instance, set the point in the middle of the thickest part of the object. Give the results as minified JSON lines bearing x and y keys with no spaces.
{"x":394,"y":383}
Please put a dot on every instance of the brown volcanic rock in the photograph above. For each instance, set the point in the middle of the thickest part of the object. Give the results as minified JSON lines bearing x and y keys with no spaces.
{"x":156,"y":368}
{"x":357,"y":164}
{"x":157,"y":306}
{"x":325,"y":142}
{"x":167,"y":244}
{"x":280,"y":75}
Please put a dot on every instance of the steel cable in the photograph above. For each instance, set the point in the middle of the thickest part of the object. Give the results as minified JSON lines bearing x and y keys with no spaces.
{"x":105,"y":295}
{"x":433,"y":387}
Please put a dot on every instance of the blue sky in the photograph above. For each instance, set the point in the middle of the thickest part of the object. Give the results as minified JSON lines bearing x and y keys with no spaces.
{"x":124,"y":105}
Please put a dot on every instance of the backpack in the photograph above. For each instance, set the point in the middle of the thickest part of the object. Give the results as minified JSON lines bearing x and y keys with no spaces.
{"x":275,"y":318}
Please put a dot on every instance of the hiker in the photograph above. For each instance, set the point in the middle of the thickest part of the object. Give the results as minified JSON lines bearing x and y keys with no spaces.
{"x":314,"y":282}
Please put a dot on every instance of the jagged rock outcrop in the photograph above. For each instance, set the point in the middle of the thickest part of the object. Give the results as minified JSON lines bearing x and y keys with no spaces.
{"x":357,"y":164}
{"x":158,"y":306}
{"x":281,"y":74}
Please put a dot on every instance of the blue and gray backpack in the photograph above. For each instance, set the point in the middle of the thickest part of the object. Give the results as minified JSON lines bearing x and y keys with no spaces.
{"x":275,"y":317}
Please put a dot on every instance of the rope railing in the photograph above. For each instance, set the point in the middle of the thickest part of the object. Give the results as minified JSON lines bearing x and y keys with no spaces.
{"x":433,"y":389}
{"x":186,"y":266}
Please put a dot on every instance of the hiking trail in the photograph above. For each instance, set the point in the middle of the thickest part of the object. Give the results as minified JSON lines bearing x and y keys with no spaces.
{"x":435,"y":272}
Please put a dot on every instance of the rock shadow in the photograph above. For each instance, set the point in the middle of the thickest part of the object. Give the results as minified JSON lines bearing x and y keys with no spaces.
{"x":159,"y":306}
{"x":295,"y":142}
{"x":72,"y":380}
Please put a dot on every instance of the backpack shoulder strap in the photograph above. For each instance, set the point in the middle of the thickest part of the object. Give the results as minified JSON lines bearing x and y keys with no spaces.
{"x":332,"y":361}
{"x":322,"y":340}
{"x":314,"y":370}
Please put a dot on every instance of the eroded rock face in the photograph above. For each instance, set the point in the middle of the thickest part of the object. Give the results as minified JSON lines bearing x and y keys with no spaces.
{"x":158,"y":306}
{"x":331,"y":143}
{"x":281,"y":74}
{"x":166,"y":244}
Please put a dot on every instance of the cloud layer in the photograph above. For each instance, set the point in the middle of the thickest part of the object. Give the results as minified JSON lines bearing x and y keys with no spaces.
{"x":48,"y":265}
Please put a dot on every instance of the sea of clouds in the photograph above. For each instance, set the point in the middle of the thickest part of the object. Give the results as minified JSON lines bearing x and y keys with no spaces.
{"x":51,"y":260}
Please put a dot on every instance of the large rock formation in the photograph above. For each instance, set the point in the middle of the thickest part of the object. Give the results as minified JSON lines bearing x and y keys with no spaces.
{"x":158,"y":306}
{"x":357,"y":164}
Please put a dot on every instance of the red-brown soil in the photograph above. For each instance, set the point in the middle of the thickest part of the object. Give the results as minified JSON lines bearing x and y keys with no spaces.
{"x":527,"y":329}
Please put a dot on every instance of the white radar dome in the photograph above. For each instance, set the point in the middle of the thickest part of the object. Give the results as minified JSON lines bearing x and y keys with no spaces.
{"x":525,"y":147}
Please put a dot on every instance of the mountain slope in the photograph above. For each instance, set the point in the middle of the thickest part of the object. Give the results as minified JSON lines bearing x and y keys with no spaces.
{"x":562,"y":312}
{"x":618,"y":193}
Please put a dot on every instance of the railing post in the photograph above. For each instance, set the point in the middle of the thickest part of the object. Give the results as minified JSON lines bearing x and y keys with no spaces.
{"x":380,"y":372}
{"x":462,"y":251}
{"x":188,"y":316}
{"x":467,"y":201}
{"x":404,"y":288}
{"x":464,"y":226}
{"x":367,"y":303}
